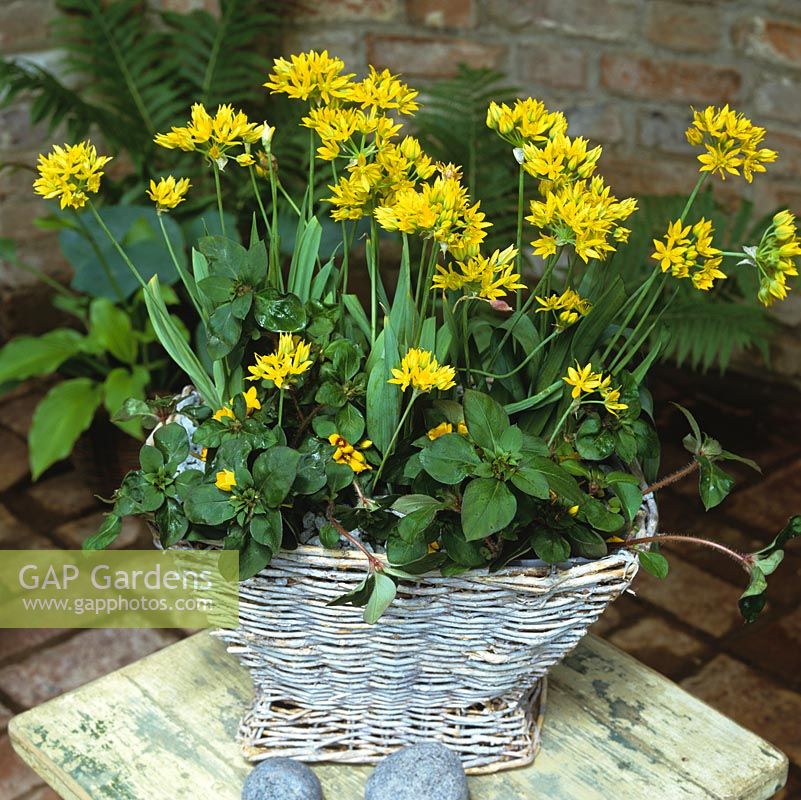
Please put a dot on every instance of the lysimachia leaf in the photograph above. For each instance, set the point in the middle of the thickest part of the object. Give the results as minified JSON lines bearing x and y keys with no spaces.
{"x":450,"y":459}
{"x":713,"y":483}
{"x":268,"y":529}
{"x":383,"y":593}
{"x":173,"y":442}
{"x":585,"y":542}
{"x":593,"y":441}
{"x":279,"y":312}
{"x":531,"y":481}
{"x":485,"y":419}
{"x":550,"y":546}
{"x":274,"y":473}
{"x":358,"y":596}
{"x":253,"y":558}
{"x":692,"y":443}
{"x":206,"y":504}
{"x":487,"y":507}
{"x":109,"y":530}
{"x":654,"y":563}
{"x":171,"y":522}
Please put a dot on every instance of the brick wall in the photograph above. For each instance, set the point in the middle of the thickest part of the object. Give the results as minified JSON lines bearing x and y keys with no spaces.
{"x":624,"y":71}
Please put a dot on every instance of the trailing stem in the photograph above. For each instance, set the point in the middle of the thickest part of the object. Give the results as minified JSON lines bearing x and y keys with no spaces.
{"x":375,"y":563}
{"x":744,"y":561}
{"x":672,"y":478}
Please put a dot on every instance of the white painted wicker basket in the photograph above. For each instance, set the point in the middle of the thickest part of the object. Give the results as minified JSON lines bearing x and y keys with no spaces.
{"x":460,"y":660}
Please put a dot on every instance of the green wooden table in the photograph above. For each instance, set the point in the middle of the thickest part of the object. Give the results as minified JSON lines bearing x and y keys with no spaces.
{"x":164,"y":727}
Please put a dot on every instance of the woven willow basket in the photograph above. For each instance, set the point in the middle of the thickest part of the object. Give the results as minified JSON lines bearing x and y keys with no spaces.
{"x":459,"y":660}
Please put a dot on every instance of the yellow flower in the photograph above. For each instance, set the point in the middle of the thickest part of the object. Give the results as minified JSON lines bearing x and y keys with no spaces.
{"x":213,"y":136}
{"x":526,"y":121}
{"x":583,"y":214}
{"x":251,"y":404}
{"x":560,"y":160}
{"x":421,"y":370}
{"x":446,"y":427}
{"x":775,"y":257}
{"x":168,"y":192}
{"x":569,"y":307}
{"x":225,"y":480}
{"x":346,"y":453}
{"x":291,"y":358}
{"x":687,"y":251}
{"x":573,"y":510}
{"x":582,"y":379}
{"x":383,"y":91}
{"x":611,"y":398}
{"x":486,"y":278}
{"x":310,"y":76}
{"x":70,"y":173}
{"x":731,"y":142}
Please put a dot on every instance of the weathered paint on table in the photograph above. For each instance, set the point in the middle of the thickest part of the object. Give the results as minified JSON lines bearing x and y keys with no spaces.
{"x":164,"y":727}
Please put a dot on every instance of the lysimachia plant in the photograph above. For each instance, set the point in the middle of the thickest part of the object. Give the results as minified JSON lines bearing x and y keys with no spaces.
{"x":480,"y":408}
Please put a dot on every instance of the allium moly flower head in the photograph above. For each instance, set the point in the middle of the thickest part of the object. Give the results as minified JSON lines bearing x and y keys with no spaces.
{"x":383,"y":91}
{"x":214,"y":136}
{"x":568,"y":307}
{"x":421,"y":370}
{"x":168,"y":192}
{"x":70,"y":173}
{"x":775,"y":257}
{"x":731,"y":143}
{"x":486,"y":278}
{"x":526,"y":121}
{"x":346,"y":453}
{"x":560,"y":160}
{"x":583,"y":214}
{"x":310,"y":76}
{"x":687,"y":251}
{"x":291,"y":358}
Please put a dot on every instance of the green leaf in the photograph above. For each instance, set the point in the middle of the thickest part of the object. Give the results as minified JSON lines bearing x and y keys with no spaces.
{"x":66,"y":411}
{"x":350,"y":423}
{"x":466,"y":554}
{"x":279,"y":312}
{"x":725,"y":455}
{"x":268,"y":529}
{"x":593,"y":441}
{"x":713,"y":483}
{"x":485,"y":419}
{"x":253,"y":559}
{"x":109,"y":530}
{"x":402,"y":552}
{"x":550,"y":546}
{"x":596,"y":514}
{"x":329,"y":536}
{"x":345,"y":357}
{"x":696,"y":431}
{"x":207,"y":505}
{"x":487,"y":507}
{"x":274,"y":473}
{"x":585,"y":542}
{"x":531,"y":481}
{"x":383,"y":593}
{"x":358,"y":596}
{"x":124,"y":384}
{"x":150,"y":459}
{"x":26,"y":356}
{"x":450,"y":459}
{"x":383,"y":398}
{"x":654,"y":563}
{"x":304,"y":258}
{"x":406,"y":504}
{"x":630,"y":498}
{"x":331,"y":394}
{"x":223,"y":331}
{"x":754,"y":598}
{"x":173,"y":442}
{"x":112,"y":328}
{"x":560,"y":481}
{"x":171,"y":522}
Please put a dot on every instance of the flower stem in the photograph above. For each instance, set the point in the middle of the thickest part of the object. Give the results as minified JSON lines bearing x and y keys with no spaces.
{"x":280,"y":407}
{"x":104,"y":265}
{"x":375,"y":563}
{"x":693,"y":195}
{"x":523,"y":363}
{"x":742,"y":560}
{"x":218,"y":190}
{"x":519,"y":240}
{"x":571,"y":408}
{"x":672,"y":478}
{"x":275,"y":237}
{"x":394,"y":438}
{"x":185,"y":278}
{"x":118,"y":248}
{"x":373,"y":265}
{"x":259,"y":201}
{"x":311,"y":173}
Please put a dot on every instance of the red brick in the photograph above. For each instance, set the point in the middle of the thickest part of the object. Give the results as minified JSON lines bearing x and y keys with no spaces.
{"x":16,"y":643}
{"x":11,"y":528}
{"x":83,"y":658}
{"x":630,"y":177}
{"x":788,"y":146}
{"x":13,"y":459}
{"x":661,"y":645}
{"x":24,"y":25}
{"x":16,"y":777}
{"x":754,"y":701}
{"x":598,"y":121}
{"x":442,"y":13}
{"x":65,"y":496}
{"x":429,"y":57}
{"x":17,"y":410}
{"x":73,"y":534}
{"x":766,"y":506}
{"x":344,"y":10}
{"x":774,"y":40}
{"x":663,"y":130}
{"x":697,"y":597}
{"x":686,"y":81}
{"x":779,"y":98}
{"x":684,"y":27}
{"x":564,"y":68}
{"x":611,"y":20}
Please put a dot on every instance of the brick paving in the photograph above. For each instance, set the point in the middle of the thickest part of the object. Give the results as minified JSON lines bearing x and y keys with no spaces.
{"x":686,"y":627}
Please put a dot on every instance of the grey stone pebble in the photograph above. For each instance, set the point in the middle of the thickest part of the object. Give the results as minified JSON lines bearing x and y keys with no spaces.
{"x":282,"y":779}
{"x":429,"y":770}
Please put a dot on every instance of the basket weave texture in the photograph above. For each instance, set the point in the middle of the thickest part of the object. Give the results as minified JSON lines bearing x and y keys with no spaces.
{"x":461,"y":660}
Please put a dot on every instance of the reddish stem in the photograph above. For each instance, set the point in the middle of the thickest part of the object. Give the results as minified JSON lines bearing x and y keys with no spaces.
{"x":375,"y":563}
{"x":743,"y":560}
{"x":672,"y":478}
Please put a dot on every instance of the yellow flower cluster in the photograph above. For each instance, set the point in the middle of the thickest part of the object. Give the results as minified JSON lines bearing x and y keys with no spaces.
{"x":485,"y":278}
{"x":560,"y":160}
{"x":383,"y":91}
{"x":70,"y":173}
{"x":525,"y":122}
{"x":446,"y":427}
{"x":168,"y":192}
{"x":337,"y":128}
{"x":215,"y":136}
{"x":251,"y":404}
{"x":569,"y":307}
{"x":687,"y":252}
{"x":731,"y":143}
{"x":421,"y":370}
{"x":585,"y":381}
{"x":774,"y":257}
{"x":583,"y":214}
{"x":346,"y":453}
{"x":310,"y":76}
{"x":440,"y":210}
{"x":291,"y":358}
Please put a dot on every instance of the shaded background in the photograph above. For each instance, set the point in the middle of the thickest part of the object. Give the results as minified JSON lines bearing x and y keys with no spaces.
{"x":625,"y":73}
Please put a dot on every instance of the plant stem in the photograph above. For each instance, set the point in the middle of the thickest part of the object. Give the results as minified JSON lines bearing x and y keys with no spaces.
{"x":345,"y":245}
{"x":218,"y":190}
{"x":571,"y":408}
{"x":640,"y":322}
{"x":275,"y":236}
{"x":373,"y":265}
{"x":634,"y":303}
{"x":742,"y":560}
{"x":672,"y":478}
{"x":118,"y":248}
{"x":375,"y":563}
{"x":104,"y":265}
{"x":311,"y":172}
{"x":394,"y":438}
{"x":180,"y":270}
{"x":693,"y":195}
{"x":519,"y":240}
{"x":522,"y":363}
{"x":284,"y":192}
{"x":259,"y":201}
{"x":465,"y":342}
{"x":280,"y":407}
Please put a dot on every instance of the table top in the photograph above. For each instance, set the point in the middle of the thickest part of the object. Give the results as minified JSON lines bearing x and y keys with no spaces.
{"x":164,"y":729}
